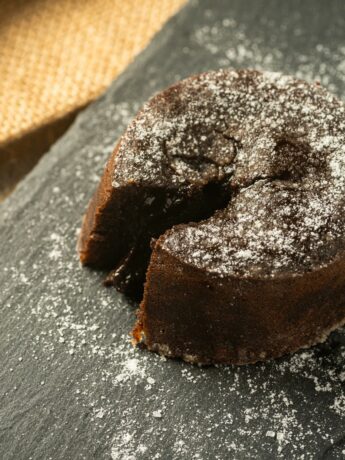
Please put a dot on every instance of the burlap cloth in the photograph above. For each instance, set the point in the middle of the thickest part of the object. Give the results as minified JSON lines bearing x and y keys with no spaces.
{"x":55,"y":57}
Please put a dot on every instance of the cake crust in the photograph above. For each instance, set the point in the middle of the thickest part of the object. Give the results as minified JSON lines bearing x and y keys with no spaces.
{"x":238,"y":320}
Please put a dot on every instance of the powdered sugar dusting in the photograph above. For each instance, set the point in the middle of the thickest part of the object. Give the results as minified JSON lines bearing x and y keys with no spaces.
{"x":283,"y":144}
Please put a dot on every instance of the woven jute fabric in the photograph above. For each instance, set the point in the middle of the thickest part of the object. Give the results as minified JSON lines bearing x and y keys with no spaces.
{"x":57,"y":56}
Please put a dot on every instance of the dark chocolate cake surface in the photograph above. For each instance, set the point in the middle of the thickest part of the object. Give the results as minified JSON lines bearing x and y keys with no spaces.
{"x":277,"y":144}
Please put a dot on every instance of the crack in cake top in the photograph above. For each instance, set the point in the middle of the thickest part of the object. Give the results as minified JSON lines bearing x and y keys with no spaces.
{"x":277,"y":142}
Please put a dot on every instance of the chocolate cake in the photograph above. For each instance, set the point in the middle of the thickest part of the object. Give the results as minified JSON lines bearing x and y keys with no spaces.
{"x":227,"y":192}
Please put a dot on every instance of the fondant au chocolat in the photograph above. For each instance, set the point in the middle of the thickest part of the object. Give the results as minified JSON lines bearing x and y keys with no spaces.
{"x":227,"y":193}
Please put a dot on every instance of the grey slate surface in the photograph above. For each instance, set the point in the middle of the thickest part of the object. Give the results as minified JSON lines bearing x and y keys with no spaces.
{"x":71,"y":386}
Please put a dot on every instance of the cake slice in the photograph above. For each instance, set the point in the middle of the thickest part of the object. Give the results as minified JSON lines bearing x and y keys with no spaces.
{"x":228,"y":190}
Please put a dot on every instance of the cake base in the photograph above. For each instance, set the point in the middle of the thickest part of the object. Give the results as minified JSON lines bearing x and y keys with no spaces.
{"x":186,"y":314}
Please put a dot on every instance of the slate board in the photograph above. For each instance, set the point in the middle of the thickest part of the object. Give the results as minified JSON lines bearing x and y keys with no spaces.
{"x":71,"y":386}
